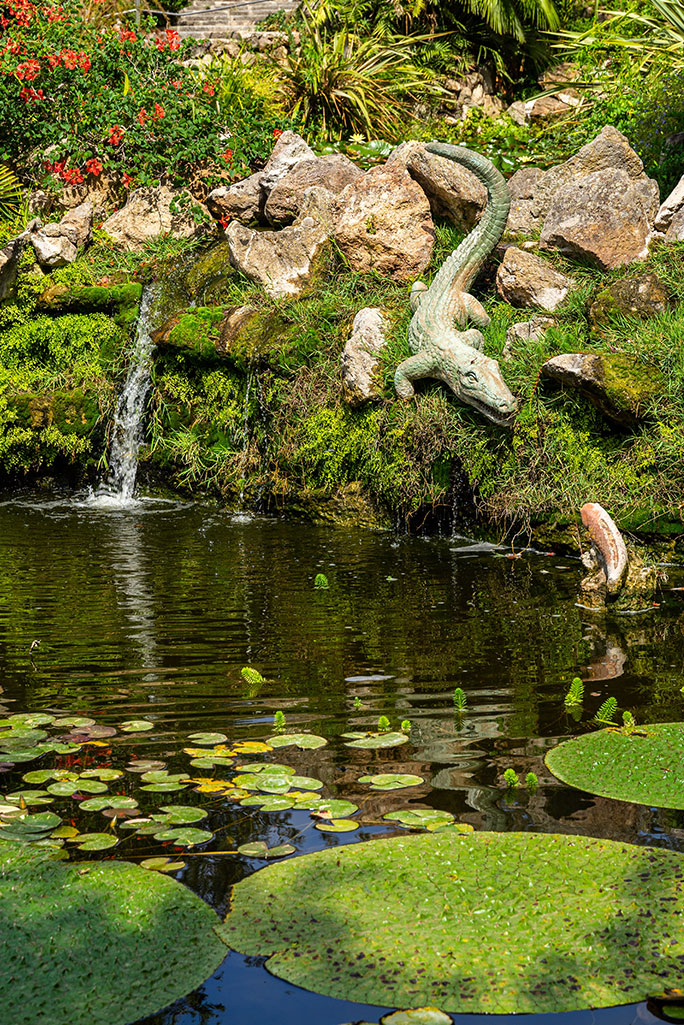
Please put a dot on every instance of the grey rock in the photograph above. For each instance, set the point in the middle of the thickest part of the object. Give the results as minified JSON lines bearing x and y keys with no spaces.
{"x":332,"y":172}
{"x":9,"y":262}
{"x":285,"y":261}
{"x":605,"y":216}
{"x":57,"y":244}
{"x":383,"y":223}
{"x":523,"y":216}
{"x":359,"y":362}
{"x":518,"y":335}
{"x":149,"y":214}
{"x":453,"y":192}
{"x":53,"y":251}
{"x":675,"y":233}
{"x":243,"y":201}
{"x":620,"y":386}
{"x":672,"y":206}
{"x":523,"y":279}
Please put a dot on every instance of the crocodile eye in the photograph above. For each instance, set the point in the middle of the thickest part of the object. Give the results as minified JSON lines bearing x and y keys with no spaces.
{"x":470,"y":376}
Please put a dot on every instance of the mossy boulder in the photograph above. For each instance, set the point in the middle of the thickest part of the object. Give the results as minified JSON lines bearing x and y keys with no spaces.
{"x":642,"y":296}
{"x":72,"y":411}
{"x":120,"y":301}
{"x":620,"y":386}
{"x":209,"y":278}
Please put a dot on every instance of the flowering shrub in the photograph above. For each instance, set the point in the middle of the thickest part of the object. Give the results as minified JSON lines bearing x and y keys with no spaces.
{"x":78,"y":101}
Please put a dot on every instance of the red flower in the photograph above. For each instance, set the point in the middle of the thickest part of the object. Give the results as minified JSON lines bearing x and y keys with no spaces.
{"x":93,"y":166}
{"x":173,"y":38}
{"x":54,"y":14}
{"x":176,"y":83}
{"x":28,"y":70}
{"x":142,"y":116}
{"x":208,"y":88}
{"x":277,"y":132}
{"x":160,"y":43}
{"x":53,"y":60}
{"x":69,"y":59}
{"x":31,"y":95}
{"x":4,"y":22}
{"x":84,"y":61}
{"x":127,"y":179}
{"x":158,"y":111}
{"x":224,"y":222}
{"x":127,"y":35}
{"x":227,"y":156}
{"x":72,"y":176}
{"x":115,"y":135}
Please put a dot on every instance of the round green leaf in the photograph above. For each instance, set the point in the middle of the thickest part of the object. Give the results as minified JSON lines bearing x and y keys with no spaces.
{"x":181,"y":814}
{"x":106,"y":774}
{"x":267,"y":783}
{"x":67,"y":788}
{"x":268,"y":767}
{"x":266,"y":803}
{"x":258,"y":849}
{"x":645,"y":767}
{"x":306,"y":783}
{"x":392,"y":781}
{"x":111,"y":801}
{"x":337,"y":826}
{"x":77,"y":721}
{"x":376,"y":740}
{"x":137,"y":726}
{"x":305,"y":741}
{"x":43,"y":775}
{"x":185,"y":837}
{"x":71,"y":936}
{"x":145,"y":765}
{"x":425,"y":818}
{"x":211,"y":761}
{"x":335,"y":808}
{"x":164,"y":788}
{"x":162,"y":865}
{"x":95,"y":841}
{"x":208,"y":738}
{"x":162,"y":776}
{"x":497,"y":923}
{"x":30,"y":797}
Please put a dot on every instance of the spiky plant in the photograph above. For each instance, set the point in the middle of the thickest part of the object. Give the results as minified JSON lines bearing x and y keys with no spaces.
{"x":460,"y":700}
{"x":575,"y":695}
{"x":606,"y":713}
{"x":10,"y":194}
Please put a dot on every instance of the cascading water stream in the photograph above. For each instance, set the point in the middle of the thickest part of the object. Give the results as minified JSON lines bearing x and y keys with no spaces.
{"x":128,"y":422}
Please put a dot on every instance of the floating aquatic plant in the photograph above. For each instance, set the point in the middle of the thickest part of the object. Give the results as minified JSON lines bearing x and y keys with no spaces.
{"x":321,"y":581}
{"x":511,"y":779}
{"x":460,"y":701}
{"x":607,"y":712}
{"x":575,"y":695}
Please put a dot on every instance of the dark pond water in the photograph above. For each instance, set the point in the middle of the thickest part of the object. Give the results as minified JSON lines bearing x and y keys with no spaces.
{"x":152,"y":611}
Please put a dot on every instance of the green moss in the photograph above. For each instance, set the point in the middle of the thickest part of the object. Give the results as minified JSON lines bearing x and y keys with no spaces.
{"x":630,"y":385}
{"x":197,"y":331}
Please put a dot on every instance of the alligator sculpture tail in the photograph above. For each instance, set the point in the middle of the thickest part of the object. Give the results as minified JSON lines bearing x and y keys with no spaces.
{"x":439,"y":349}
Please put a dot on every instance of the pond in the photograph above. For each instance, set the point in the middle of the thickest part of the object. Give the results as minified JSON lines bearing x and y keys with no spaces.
{"x":150,"y":613}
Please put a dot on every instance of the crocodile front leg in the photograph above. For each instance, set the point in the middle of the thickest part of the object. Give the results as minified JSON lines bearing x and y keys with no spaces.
{"x":422,"y":364}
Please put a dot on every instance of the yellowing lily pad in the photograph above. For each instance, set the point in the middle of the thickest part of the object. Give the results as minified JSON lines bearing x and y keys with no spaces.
{"x":497,"y":923}
{"x":137,"y":726}
{"x":337,"y":826}
{"x":250,"y":747}
{"x":305,"y":741}
{"x":208,"y":738}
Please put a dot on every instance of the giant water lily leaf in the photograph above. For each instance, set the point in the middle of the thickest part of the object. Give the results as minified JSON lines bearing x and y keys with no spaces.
{"x":376,"y":740}
{"x":424,"y":818}
{"x":208,"y":738}
{"x":496,"y":923}
{"x":645,"y":767}
{"x":337,"y":826}
{"x":391,"y":781}
{"x":115,"y":921}
{"x":184,"y":837}
{"x":305,"y":741}
{"x":417,"y":1016}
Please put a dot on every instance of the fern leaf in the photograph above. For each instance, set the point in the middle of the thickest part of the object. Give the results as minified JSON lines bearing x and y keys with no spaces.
{"x":10,"y":194}
{"x":575,"y":695}
{"x":460,"y":700}
{"x":606,"y":713}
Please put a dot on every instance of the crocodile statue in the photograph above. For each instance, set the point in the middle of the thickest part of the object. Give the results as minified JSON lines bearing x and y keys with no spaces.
{"x":442,"y":347}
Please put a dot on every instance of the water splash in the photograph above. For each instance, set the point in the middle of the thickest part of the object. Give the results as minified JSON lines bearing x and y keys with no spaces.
{"x":128,"y":422}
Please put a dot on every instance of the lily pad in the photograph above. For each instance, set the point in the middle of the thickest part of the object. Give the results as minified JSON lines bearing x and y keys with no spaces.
{"x":208,"y":738}
{"x":73,"y":720}
{"x":305,"y":741}
{"x":417,"y":1016}
{"x":106,"y":774}
{"x":267,"y":783}
{"x":145,"y":765}
{"x":71,"y":936}
{"x":250,"y":747}
{"x":67,"y":788}
{"x":162,"y":865}
{"x":268,"y":767}
{"x":137,"y":726}
{"x":163,"y":788}
{"x":497,"y":923}
{"x":210,"y":761}
{"x":163,"y":776}
{"x":391,"y":781}
{"x":376,"y":740}
{"x":43,"y":775}
{"x":259,"y":849}
{"x":337,"y":826}
{"x":95,"y":841}
{"x":185,"y":837}
{"x":644,"y":767}
{"x":335,"y":808}
{"x":111,"y":801}
{"x":268,"y":803}
{"x":30,"y":797}
{"x":424,"y":818}
{"x":181,"y":814}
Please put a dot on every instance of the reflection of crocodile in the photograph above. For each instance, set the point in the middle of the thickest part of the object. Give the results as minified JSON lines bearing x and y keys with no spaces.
{"x":439,"y":350}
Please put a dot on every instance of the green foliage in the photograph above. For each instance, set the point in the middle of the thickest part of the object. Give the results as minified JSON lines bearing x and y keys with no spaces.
{"x":405,"y":726}
{"x":10,"y":194}
{"x":383,"y":724}
{"x":279,"y":720}
{"x":531,"y":781}
{"x":460,"y":700}
{"x":575,"y":695}
{"x":398,"y":902}
{"x":511,"y":779}
{"x":321,"y":581}
{"x":251,"y":676}
{"x":607,"y":712}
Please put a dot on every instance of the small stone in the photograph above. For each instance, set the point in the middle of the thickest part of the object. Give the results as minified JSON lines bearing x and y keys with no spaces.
{"x":527,"y":331}
{"x":673,"y":205}
{"x":523,"y":279}
{"x":642,"y":296}
{"x":359,"y":362}
{"x":675,"y":233}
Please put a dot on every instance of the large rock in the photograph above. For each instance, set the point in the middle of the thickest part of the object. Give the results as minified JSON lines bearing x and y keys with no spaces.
{"x":243,"y":201}
{"x":523,"y":279}
{"x":360,"y":365}
{"x":289,"y":150}
{"x":151,"y":212}
{"x":9,"y":262}
{"x":453,"y":192}
{"x":642,"y":296}
{"x":673,"y":205}
{"x":605,"y":217}
{"x":620,"y":386}
{"x":285,"y":262}
{"x":675,"y":232}
{"x":332,"y":172}
{"x":523,"y":216}
{"x":57,"y":243}
{"x":383,"y":223}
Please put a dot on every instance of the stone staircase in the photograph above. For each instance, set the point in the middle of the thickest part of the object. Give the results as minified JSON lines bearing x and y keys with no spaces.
{"x":206,"y":20}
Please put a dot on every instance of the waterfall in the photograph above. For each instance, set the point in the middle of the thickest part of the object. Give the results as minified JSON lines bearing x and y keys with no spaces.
{"x":128,"y":421}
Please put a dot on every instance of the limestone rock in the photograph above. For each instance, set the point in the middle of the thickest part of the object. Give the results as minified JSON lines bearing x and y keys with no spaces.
{"x":289,"y":150}
{"x":675,"y":233}
{"x":285,"y":261}
{"x":543,"y":109}
{"x":523,"y":216}
{"x":9,"y":261}
{"x":57,"y":243}
{"x":453,"y":192}
{"x":105,"y":192}
{"x":243,"y":201}
{"x":383,"y":223}
{"x":523,"y":279}
{"x":332,"y":172}
{"x":359,"y":362}
{"x":620,"y":386}
{"x":519,"y":334}
{"x":151,"y":212}
{"x":673,"y":205}
{"x":642,"y":296}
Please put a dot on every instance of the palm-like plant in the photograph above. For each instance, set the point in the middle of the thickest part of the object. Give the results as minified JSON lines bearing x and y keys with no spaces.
{"x":346,"y":85}
{"x":657,"y":39}
{"x":10,"y":194}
